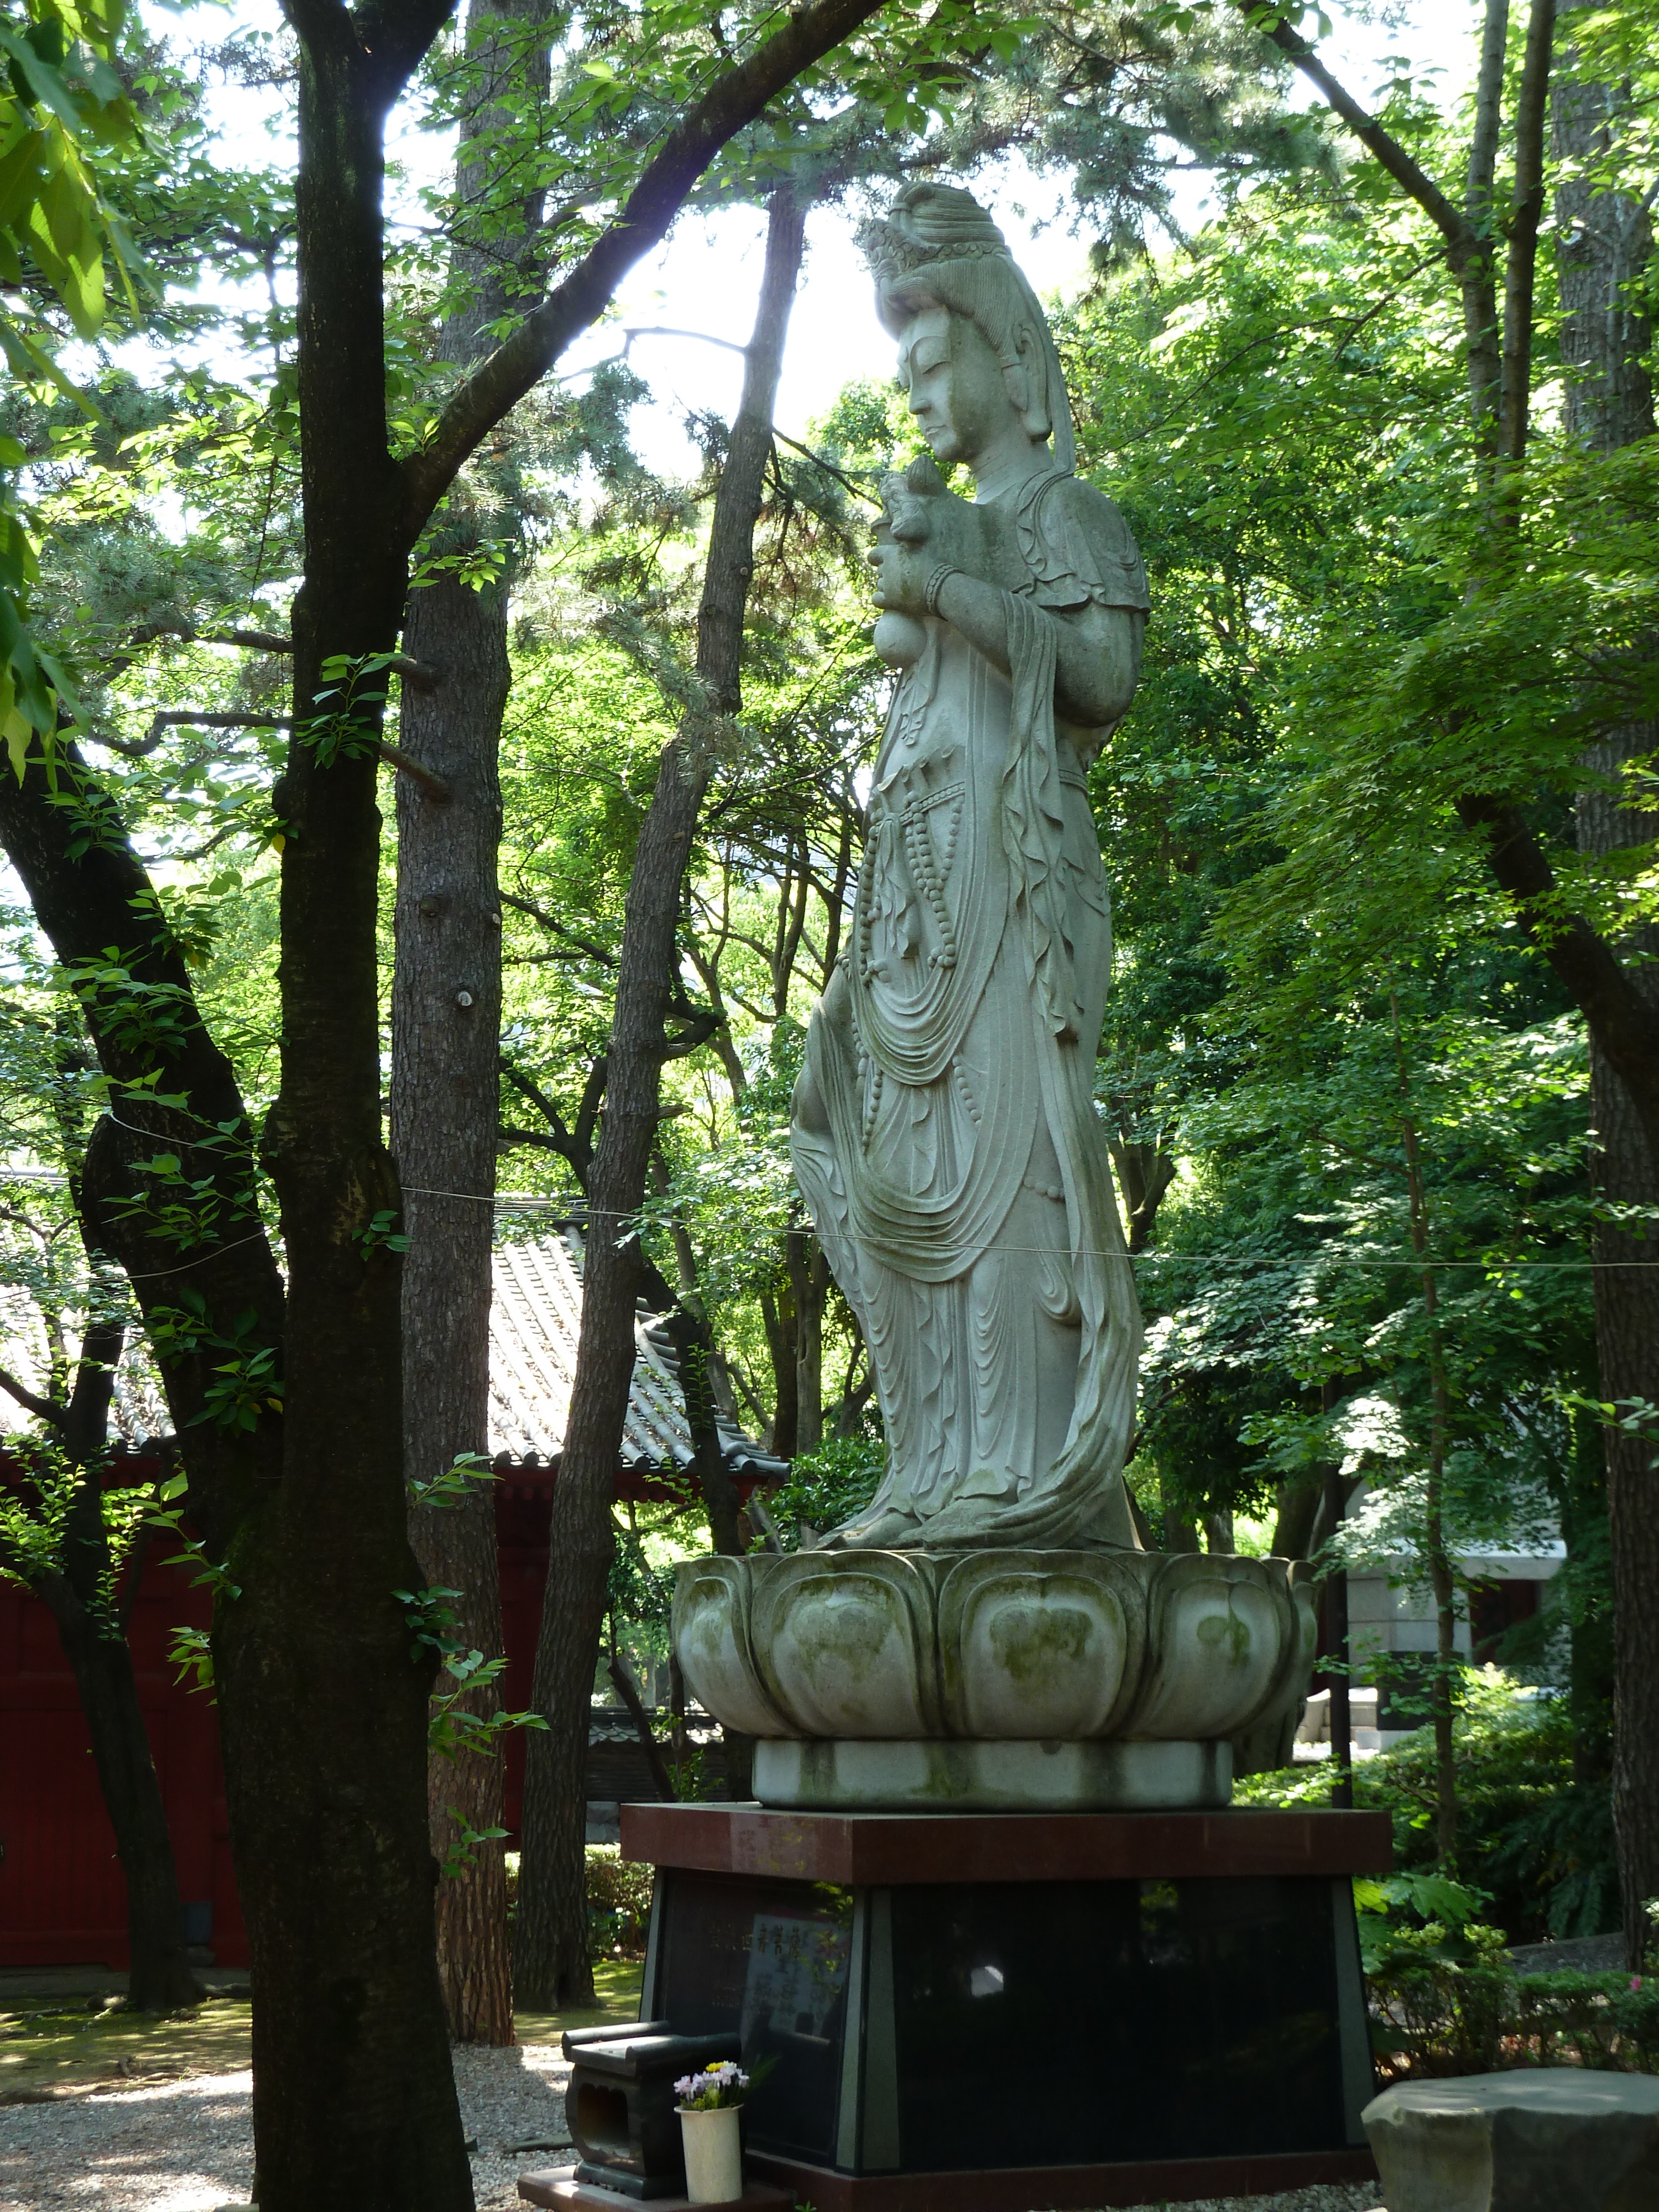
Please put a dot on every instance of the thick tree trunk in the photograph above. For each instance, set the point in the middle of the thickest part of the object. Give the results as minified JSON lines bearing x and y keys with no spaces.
{"x":323,"y":1689}
{"x":1604,"y":243}
{"x":445,"y":1026}
{"x":550,"y":1958}
{"x":446,"y":1043}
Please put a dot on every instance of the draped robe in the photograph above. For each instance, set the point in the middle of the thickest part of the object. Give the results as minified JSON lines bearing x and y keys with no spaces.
{"x":945,"y":1134}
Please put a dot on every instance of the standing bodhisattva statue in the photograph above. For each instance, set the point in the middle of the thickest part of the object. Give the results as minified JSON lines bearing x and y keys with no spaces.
{"x":945,"y":1129}
{"x":945,"y":1133}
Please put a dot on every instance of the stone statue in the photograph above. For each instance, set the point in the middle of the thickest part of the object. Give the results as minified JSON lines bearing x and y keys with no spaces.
{"x":989,"y":1633}
{"x":945,"y":1131}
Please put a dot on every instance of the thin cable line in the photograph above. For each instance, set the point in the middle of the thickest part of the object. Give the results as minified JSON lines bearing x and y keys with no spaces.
{"x":513,"y":1201}
{"x":149,"y":1274}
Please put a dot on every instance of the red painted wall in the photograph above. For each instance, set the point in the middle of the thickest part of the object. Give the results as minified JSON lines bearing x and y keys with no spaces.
{"x":63,"y":1895}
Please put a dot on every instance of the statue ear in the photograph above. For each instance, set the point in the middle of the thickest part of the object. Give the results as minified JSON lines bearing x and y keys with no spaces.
{"x":1029,"y":383}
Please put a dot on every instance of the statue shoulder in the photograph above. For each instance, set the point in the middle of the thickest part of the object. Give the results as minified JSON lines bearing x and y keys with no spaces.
{"x":1079,"y":548}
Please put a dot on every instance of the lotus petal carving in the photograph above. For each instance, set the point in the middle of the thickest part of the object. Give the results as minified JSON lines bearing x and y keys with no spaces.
{"x":988,"y":1646}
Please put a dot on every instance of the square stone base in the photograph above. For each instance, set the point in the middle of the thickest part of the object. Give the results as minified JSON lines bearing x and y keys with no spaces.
{"x":559,"y":2187}
{"x":993,"y":2012}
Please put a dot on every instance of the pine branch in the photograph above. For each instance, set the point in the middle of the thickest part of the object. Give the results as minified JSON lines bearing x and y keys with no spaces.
{"x":734,"y":101}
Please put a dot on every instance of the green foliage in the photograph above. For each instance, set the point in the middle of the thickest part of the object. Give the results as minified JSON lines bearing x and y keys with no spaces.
{"x":453,"y":1485}
{"x":1535,"y":1845}
{"x":61,"y":101}
{"x":618,"y":1902}
{"x":826,"y":1486}
{"x":456,"y":1729}
{"x":243,"y":1387}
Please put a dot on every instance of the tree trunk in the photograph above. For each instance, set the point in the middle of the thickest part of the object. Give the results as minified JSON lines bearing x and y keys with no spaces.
{"x":778,"y":1317}
{"x":551,"y":1956}
{"x":809,"y":1283}
{"x":96,"y":1645}
{"x":322,"y":1690}
{"x":1604,"y":243}
{"x":160,"y":1978}
{"x":1442,"y":1582}
{"x":446,"y":1027}
{"x":446,"y":1044}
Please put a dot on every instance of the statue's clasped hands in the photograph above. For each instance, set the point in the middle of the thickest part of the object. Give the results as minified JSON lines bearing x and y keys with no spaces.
{"x":925,"y":530}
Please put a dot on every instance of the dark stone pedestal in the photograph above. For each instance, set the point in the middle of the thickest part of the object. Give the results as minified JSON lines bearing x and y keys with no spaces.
{"x":559,"y":2188}
{"x":991,"y":2011}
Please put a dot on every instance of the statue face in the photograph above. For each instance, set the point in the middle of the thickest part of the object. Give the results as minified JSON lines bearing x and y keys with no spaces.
{"x":958,"y":392}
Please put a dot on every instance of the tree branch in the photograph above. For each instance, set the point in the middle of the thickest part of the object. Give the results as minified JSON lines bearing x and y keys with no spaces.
{"x":734,"y":101}
{"x":1623,"y":1022}
{"x":1521,"y":276}
{"x":557,"y":929}
{"x":44,"y":1409}
{"x":183,"y":718}
{"x":1462,"y":238}
{"x":664,"y":1782}
{"x":420,"y":673}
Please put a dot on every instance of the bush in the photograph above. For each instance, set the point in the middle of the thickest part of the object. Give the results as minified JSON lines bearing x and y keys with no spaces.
{"x":1444,"y":2002}
{"x":826,"y":1486}
{"x":1442,"y":1999}
{"x":1539,"y":1847}
{"x":618,"y":1903}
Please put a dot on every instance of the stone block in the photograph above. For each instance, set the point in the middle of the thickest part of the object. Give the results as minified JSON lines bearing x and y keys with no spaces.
{"x":1559,"y":2139}
{"x":996,"y":1776}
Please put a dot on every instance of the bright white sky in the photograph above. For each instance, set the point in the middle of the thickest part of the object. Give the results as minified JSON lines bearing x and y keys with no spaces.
{"x":705,"y":278}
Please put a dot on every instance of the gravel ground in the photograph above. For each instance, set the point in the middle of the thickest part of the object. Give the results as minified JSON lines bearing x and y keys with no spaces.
{"x":187,"y":2146}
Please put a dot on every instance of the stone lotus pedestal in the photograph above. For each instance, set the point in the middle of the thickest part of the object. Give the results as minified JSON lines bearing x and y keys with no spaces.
{"x":989,"y":1931}
{"x":996,"y":1680}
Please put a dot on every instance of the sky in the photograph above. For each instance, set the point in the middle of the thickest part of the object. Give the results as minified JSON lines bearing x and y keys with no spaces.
{"x":705,"y":278}
{"x":834,"y":336}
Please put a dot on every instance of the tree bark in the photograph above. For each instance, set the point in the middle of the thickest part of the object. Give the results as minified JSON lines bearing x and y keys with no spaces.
{"x":1604,"y":243}
{"x":94,"y":1644}
{"x":778,"y":1317}
{"x":322,"y":1690}
{"x":159,"y":1978}
{"x":446,"y":1027}
{"x":445,"y":1045}
{"x":551,"y":1959}
{"x":809,"y":1283}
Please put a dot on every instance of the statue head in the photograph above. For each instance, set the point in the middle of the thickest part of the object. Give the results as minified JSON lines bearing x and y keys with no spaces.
{"x":950,"y":291}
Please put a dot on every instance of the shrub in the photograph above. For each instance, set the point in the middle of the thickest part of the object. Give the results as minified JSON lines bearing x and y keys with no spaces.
{"x":618,"y":1903}
{"x":826,"y":1486}
{"x":1442,"y":1999}
{"x":1538,"y":1847}
{"x":1435,"y":2012}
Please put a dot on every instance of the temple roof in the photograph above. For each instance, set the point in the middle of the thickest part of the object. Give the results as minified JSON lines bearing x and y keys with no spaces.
{"x":535,"y":1319}
{"x":534,"y":1323}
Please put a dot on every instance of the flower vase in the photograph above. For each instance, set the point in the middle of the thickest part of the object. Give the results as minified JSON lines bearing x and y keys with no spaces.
{"x":714,"y":2154}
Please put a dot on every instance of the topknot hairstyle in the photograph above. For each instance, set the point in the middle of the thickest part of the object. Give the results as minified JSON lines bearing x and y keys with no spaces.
{"x":936,"y":245}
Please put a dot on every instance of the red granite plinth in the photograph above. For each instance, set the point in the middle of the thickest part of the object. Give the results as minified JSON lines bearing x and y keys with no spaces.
{"x":1173,"y":2004}
{"x":861,"y":1848}
{"x":1065,"y":2188}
